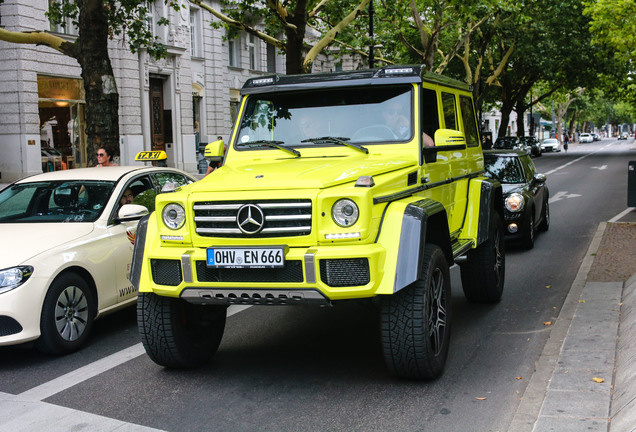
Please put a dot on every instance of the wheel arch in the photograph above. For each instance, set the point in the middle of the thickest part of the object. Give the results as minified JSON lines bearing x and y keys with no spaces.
{"x":490,"y":200}
{"x":87,"y":277}
{"x":422,"y":222}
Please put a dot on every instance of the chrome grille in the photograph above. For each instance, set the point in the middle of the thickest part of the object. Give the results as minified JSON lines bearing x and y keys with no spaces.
{"x":228,"y":218}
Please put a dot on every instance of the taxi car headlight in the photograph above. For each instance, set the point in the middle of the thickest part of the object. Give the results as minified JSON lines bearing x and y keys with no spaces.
{"x":173,"y":216}
{"x":345,"y":212}
{"x":14,"y":277}
{"x":514,"y":202}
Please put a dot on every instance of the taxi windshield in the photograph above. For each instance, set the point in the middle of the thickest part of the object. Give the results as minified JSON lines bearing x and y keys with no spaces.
{"x":328,"y":117}
{"x":59,"y":201}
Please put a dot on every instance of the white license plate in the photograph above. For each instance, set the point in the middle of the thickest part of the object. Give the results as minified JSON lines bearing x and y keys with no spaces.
{"x":255,"y":257}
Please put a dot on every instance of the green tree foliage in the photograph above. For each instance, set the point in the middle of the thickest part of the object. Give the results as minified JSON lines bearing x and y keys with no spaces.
{"x":299,"y":28}
{"x":612,"y":24}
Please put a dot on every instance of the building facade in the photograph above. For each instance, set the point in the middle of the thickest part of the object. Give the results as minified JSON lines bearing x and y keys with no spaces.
{"x":172,"y":104}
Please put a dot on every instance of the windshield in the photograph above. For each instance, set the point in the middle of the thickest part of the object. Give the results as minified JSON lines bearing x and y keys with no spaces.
{"x":309,"y":118}
{"x":504,"y":169}
{"x":61,"y":201}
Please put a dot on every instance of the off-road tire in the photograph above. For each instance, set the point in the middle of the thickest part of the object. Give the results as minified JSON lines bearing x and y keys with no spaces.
{"x":415,"y":322}
{"x":177,"y":334}
{"x":67,"y":315}
{"x":483,"y":273}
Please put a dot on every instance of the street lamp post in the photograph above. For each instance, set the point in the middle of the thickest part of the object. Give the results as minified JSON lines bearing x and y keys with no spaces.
{"x":371,"y":55}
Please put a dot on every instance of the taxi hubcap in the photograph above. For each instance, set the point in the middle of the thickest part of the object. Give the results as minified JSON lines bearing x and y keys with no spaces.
{"x":71,"y":313}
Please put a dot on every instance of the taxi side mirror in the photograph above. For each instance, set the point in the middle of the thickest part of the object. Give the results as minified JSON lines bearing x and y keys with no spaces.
{"x":131,"y":212}
{"x":214,"y":151}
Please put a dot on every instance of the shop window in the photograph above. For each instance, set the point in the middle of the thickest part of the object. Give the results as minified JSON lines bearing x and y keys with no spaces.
{"x":62,"y":123}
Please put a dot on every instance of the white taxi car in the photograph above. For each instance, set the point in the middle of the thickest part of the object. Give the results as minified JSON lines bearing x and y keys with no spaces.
{"x":67,"y":240}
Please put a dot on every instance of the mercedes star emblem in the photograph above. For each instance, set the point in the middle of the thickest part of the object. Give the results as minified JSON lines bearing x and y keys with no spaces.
{"x":250,"y":219}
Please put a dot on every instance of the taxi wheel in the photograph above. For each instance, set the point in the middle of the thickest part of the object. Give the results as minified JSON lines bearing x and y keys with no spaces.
{"x":484,"y":271}
{"x":178,"y":334}
{"x":67,"y":315}
{"x":415,"y":322}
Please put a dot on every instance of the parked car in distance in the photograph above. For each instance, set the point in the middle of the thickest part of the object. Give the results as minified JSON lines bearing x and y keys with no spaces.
{"x":508,"y":143}
{"x":525,"y":194}
{"x":596,"y":136}
{"x":623,"y":136}
{"x":550,"y":145}
{"x":586,"y":138}
{"x":531,"y":145}
{"x":68,"y":240}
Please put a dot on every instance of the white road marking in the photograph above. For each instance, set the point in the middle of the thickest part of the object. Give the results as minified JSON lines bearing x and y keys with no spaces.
{"x":91,"y":370}
{"x":621,"y":214}
{"x":576,"y":160}
{"x":601,"y":168}
{"x":562,"y":195}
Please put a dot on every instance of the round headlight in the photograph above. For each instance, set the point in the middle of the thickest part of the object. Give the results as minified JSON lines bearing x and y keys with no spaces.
{"x":173,"y":216}
{"x":345,"y":212}
{"x":514,"y":202}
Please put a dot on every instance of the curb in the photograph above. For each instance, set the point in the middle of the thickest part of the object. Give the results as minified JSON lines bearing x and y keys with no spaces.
{"x":534,"y":397}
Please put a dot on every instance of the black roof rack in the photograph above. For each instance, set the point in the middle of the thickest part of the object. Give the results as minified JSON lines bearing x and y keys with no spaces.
{"x":364,"y":77}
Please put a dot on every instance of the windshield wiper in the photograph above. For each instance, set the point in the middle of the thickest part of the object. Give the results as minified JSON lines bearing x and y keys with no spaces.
{"x":272,"y":144}
{"x":337,"y":140}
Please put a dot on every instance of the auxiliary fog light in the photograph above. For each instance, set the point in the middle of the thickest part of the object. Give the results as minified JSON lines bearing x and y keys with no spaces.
{"x":513,"y":228}
{"x":337,"y":236}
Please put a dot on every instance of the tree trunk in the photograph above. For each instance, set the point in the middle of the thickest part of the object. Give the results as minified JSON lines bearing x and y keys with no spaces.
{"x":294,"y":47}
{"x":521,"y":111}
{"x":102,"y":98}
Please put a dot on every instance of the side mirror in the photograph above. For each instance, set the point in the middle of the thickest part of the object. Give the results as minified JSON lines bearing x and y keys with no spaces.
{"x":445,"y":140}
{"x":447,"y":137}
{"x":540,"y":178}
{"x":214,"y":151}
{"x":131,"y":212}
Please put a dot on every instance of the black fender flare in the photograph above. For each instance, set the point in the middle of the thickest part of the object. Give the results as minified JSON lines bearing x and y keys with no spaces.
{"x":490,"y":200}
{"x":138,"y":252}
{"x":423,"y":222}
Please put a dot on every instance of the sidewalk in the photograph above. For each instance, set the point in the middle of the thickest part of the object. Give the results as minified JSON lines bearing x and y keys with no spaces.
{"x":586,"y":377}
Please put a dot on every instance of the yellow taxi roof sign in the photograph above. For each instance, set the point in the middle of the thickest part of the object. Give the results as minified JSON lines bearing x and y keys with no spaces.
{"x":151,"y":156}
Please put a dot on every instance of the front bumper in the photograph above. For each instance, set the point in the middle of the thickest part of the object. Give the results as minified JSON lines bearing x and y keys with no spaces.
{"x":20,"y":313}
{"x":311,"y":275}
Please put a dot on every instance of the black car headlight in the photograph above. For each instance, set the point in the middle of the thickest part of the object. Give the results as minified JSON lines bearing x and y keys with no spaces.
{"x":14,"y":277}
{"x":514,"y":202}
{"x":173,"y":216}
{"x":345,"y":212}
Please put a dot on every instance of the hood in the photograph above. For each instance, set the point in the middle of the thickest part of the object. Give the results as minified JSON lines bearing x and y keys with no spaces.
{"x":299,"y":173}
{"x":24,"y":241}
{"x":508,"y":188}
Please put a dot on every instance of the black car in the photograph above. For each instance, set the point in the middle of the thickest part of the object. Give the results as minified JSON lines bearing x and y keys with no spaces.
{"x":525,"y":194}
{"x":508,"y":143}
{"x":532,"y":144}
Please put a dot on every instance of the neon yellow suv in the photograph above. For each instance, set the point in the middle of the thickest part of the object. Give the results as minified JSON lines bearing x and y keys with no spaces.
{"x":352,"y":185}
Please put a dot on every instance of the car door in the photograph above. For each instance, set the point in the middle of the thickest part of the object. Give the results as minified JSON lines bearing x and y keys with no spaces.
{"x":123,"y":234}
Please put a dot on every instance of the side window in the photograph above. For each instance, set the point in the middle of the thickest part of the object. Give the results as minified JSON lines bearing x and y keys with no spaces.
{"x":430,"y":116}
{"x":176,"y":180}
{"x":450,"y":111}
{"x":470,"y":124}
{"x":139,"y":191}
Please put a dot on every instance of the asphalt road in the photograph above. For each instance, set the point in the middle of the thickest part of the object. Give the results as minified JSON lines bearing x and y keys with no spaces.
{"x":313,"y":369}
